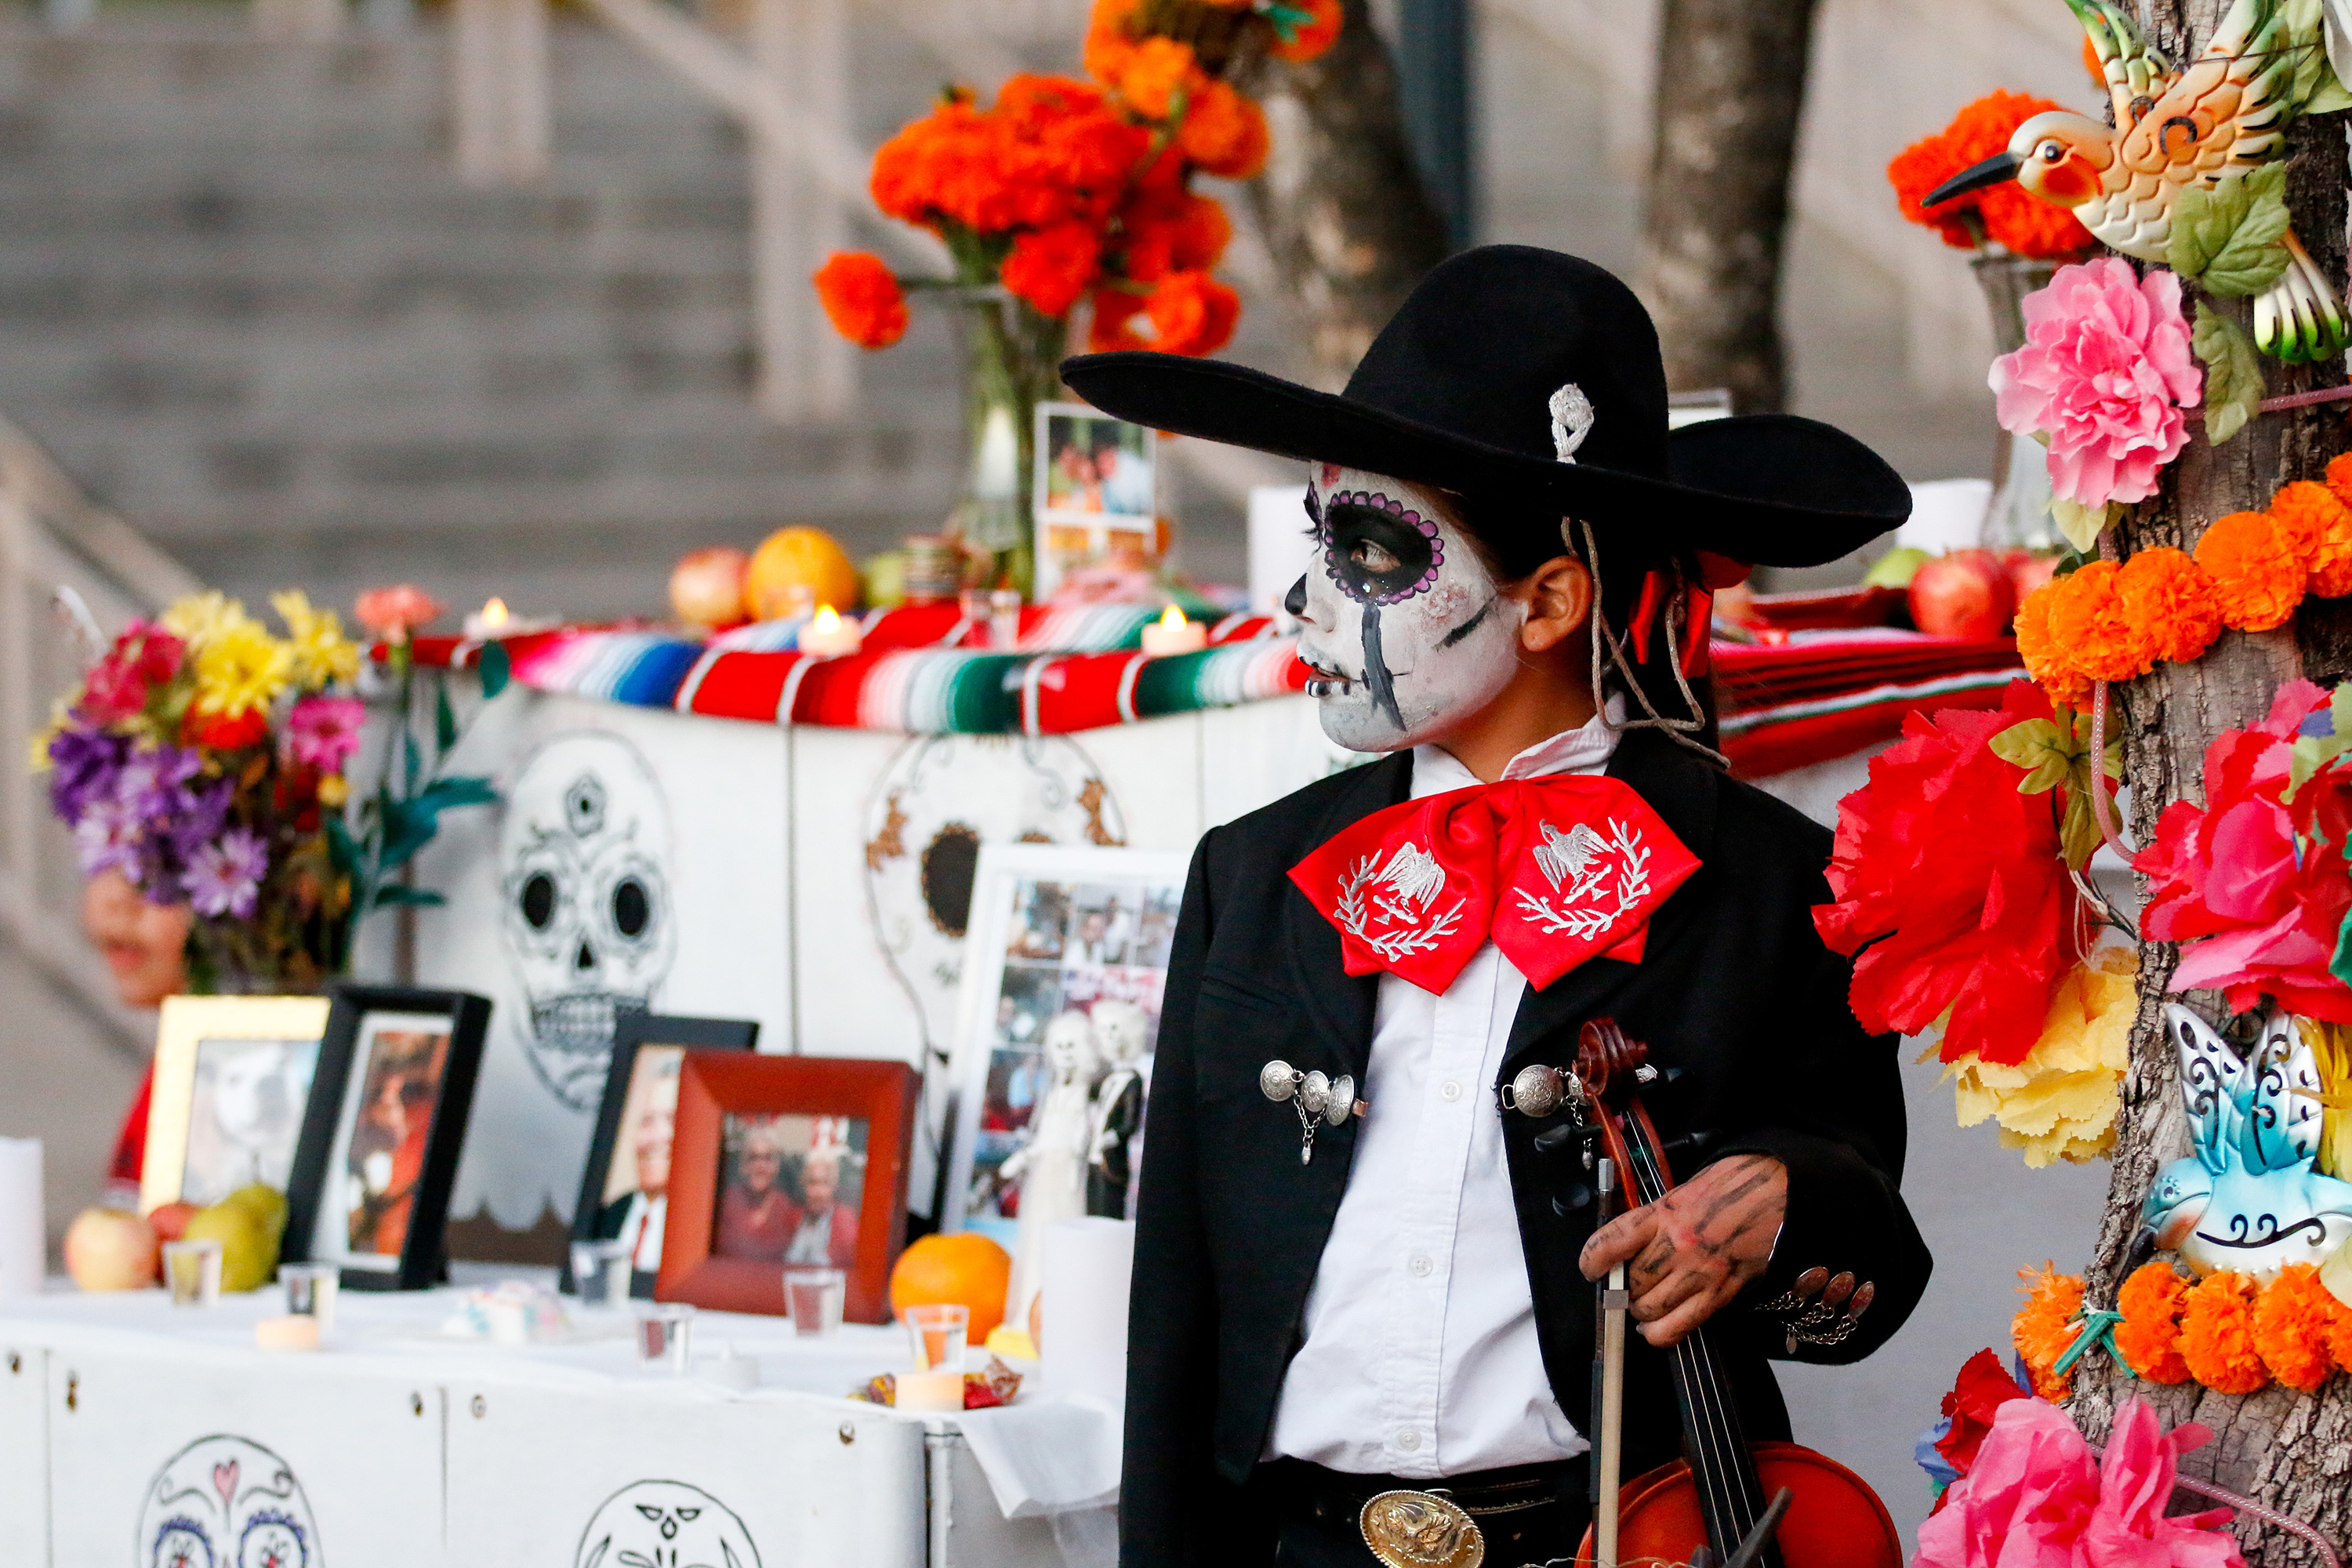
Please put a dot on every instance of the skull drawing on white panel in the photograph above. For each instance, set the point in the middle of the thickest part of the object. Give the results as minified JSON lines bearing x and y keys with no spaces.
{"x":226,"y":1502}
{"x":665,"y":1524}
{"x":585,"y":862}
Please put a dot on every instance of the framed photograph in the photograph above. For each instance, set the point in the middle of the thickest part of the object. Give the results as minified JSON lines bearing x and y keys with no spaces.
{"x":380,"y":1140}
{"x":1055,"y":929}
{"x":232,"y":1079}
{"x":1095,"y":491}
{"x":624,"y":1191}
{"x":785,"y":1161}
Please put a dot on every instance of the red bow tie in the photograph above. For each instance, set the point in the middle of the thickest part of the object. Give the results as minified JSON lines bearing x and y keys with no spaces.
{"x":1555,"y":870}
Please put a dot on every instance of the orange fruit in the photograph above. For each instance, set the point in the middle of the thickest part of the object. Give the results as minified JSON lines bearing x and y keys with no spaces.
{"x":796,"y":569}
{"x":965,"y":1270}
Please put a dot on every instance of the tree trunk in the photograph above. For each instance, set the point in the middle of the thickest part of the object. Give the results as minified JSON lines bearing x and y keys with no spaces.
{"x":2289,"y":1451}
{"x":1340,"y":204}
{"x":1731,"y":85}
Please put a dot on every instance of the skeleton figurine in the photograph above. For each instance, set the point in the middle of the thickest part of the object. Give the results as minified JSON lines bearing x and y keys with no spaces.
{"x":1051,"y":1164}
{"x":584,"y":855}
{"x":1119,"y":1031}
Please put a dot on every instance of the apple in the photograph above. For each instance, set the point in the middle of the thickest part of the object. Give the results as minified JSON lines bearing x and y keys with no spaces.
{"x":1967,"y":593}
{"x":706,"y":587}
{"x":170,"y":1220}
{"x":111,"y":1249}
{"x":2028,"y":571}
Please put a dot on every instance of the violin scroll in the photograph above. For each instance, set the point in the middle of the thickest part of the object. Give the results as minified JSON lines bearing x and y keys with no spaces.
{"x":1607,"y":1057}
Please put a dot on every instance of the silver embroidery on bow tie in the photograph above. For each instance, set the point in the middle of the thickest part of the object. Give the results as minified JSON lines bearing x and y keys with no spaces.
{"x":1571,"y":420}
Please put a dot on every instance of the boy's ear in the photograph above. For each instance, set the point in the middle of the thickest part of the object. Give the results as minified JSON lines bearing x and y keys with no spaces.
{"x":1560,"y":597}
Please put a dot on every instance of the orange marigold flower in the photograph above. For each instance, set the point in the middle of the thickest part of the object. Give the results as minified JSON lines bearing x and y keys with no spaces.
{"x":2293,"y":1322}
{"x":2043,"y":1330}
{"x":2217,"y":1335}
{"x":1979,"y":132}
{"x":2088,"y":619}
{"x":2321,"y":526}
{"x":2257,"y":577}
{"x":2148,"y":1339}
{"x":2170,"y":600}
{"x":2029,"y":227}
{"x":1172,"y":232}
{"x":1109,"y":331}
{"x":2339,"y":478}
{"x":1108,"y":43}
{"x":2045,"y":658}
{"x":1050,"y":267}
{"x":1150,"y":78}
{"x":1191,"y":313}
{"x":863,"y":298}
{"x":1315,"y":36}
{"x":1224,"y":131}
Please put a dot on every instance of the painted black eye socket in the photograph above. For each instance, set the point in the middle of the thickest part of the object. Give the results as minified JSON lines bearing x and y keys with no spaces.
{"x":539,"y":900}
{"x":632,"y":907}
{"x":1379,"y":551}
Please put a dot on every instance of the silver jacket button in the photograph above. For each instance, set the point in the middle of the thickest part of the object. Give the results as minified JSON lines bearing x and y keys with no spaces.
{"x":1279,"y":1081}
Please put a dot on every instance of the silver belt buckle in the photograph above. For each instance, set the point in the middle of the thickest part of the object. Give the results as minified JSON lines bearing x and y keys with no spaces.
{"x":1419,"y":1529}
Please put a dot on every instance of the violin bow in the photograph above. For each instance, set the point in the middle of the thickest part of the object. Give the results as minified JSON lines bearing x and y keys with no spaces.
{"x":1610,"y":1419}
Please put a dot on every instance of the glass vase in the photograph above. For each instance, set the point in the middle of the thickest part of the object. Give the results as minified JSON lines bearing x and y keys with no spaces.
{"x":1011,"y":356}
{"x":2018,"y":517}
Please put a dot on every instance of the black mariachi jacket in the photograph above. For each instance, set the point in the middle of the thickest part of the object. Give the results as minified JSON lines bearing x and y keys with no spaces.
{"x":1735,"y":987}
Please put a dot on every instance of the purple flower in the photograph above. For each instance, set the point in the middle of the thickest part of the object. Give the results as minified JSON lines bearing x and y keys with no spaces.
{"x":323,"y":732}
{"x":84,"y":763}
{"x":107,"y":838}
{"x":225,"y":876}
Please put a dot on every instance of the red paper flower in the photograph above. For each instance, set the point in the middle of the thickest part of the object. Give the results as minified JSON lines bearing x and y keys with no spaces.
{"x":2259,"y":909}
{"x":1952,"y":887}
{"x":1984,"y":1386}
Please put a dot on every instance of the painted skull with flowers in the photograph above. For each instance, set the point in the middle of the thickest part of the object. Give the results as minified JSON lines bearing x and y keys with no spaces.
{"x":202,"y":758}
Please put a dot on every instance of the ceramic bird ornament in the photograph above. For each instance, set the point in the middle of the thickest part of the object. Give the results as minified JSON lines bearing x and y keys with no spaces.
{"x":2248,"y":1199}
{"x":2178,"y":130}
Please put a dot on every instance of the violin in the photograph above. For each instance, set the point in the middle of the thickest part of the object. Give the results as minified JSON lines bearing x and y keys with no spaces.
{"x":1723,"y":1495}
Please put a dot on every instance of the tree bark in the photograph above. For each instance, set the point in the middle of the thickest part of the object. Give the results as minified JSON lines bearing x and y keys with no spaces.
{"x":2289,"y":1451}
{"x":1341,"y":205}
{"x":1731,"y":86}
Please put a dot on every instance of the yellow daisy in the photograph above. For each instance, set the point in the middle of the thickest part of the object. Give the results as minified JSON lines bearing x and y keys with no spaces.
{"x":240,"y":668}
{"x":322,"y":654}
{"x":200,"y":619}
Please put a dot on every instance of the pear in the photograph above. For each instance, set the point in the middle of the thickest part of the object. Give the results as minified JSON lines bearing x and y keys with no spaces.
{"x":249,"y":1242}
{"x":266,"y":1202}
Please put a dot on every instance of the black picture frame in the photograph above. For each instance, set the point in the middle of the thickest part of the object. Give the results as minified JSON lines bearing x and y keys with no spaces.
{"x":629,"y":1032}
{"x":325,"y":1137}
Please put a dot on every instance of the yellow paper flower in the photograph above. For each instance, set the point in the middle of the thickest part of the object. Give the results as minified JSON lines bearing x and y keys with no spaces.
{"x":200,"y":619}
{"x":239,"y":669}
{"x":2060,"y":1102}
{"x":322,"y":654}
{"x":2331,"y":1049}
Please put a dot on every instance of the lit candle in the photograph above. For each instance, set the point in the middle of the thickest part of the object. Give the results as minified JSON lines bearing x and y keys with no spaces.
{"x":1171,"y":633}
{"x":495,"y":620}
{"x":828,"y":633}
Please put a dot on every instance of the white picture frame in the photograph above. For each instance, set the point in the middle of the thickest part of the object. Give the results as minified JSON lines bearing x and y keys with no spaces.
{"x":1079,"y":969}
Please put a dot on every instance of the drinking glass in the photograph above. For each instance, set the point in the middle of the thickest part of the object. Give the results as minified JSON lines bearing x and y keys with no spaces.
{"x":600,"y":1273}
{"x":311,"y":1291}
{"x":666,"y":1337}
{"x":812,"y":1300}
{"x":193,"y":1270}
{"x":936,"y":1336}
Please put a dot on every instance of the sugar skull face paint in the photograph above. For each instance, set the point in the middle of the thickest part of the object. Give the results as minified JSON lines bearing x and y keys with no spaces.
{"x":1405,"y":628}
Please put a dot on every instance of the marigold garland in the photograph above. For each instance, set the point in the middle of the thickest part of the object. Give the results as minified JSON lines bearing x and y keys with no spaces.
{"x":2256,"y":572}
{"x":2294,"y":1323}
{"x":2148,"y":1339}
{"x":2087,"y":618}
{"x":2044,"y":1330}
{"x":2164,"y":593}
{"x":2045,"y":660}
{"x":2217,"y":1335}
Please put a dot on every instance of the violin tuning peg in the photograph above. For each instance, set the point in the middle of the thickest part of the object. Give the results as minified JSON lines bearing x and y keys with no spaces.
{"x":1552,"y":1139}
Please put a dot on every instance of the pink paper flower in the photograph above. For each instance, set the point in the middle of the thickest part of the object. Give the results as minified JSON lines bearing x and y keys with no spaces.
{"x":394,"y":613}
{"x":323,"y":732}
{"x":2129,"y":1527}
{"x":2105,"y":373}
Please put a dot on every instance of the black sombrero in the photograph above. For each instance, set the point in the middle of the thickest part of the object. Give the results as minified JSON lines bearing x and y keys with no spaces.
{"x":1467,"y":389}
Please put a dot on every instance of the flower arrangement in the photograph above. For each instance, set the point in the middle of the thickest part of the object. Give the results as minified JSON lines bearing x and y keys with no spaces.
{"x":202,"y":758}
{"x":2251,"y":571}
{"x":2004,"y":215}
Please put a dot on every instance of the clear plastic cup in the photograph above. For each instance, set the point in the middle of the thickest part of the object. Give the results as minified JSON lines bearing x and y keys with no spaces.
{"x":193,"y":1271}
{"x":600,"y":1273}
{"x":812,"y":1300}
{"x":936,"y":1336}
{"x":666,"y":1337}
{"x":310,"y":1290}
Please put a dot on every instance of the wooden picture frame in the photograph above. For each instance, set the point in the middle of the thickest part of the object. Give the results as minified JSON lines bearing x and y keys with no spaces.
{"x":231,"y":1088}
{"x":872,"y":1099}
{"x":368,"y":1172}
{"x":592,"y":1215}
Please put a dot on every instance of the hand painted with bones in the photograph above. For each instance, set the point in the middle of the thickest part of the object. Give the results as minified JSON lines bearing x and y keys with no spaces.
{"x":1693,"y":1251}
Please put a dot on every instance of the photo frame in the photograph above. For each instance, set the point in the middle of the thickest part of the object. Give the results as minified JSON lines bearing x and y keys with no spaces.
{"x":775,"y":1153}
{"x":1095,"y":491}
{"x":380,"y":1137}
{"x":646,"y":1048}
{"x":232,"y":1084}
{"x":1053,"y":927}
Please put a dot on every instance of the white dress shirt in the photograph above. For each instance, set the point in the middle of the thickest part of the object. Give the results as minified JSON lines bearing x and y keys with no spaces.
{"x":1420,"y":1357}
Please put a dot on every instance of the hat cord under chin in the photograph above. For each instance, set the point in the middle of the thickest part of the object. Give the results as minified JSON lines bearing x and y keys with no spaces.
{"x":1679,"y":731}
